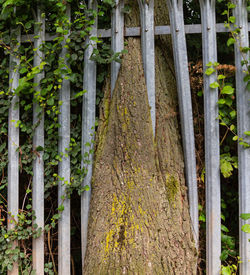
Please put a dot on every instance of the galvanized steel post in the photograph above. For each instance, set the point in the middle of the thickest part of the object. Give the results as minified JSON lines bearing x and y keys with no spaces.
{"x":38,"y":140}
{"x":64,"y":169}
{"x":88,"y":128}
{"x":148,"y":52}
{"x":243,"y":125}
{"x":13,"y":140}
{"x":212,"y":143}
{"x":117,"y":38}
{"x":175,"y":9}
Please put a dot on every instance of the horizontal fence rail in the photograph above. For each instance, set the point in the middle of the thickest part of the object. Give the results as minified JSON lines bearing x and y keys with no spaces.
{"x":147,"y":31}
{"x":136,"y":31}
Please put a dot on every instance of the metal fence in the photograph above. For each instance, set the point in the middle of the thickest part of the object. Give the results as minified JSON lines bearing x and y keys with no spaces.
{"x":147,"y":31}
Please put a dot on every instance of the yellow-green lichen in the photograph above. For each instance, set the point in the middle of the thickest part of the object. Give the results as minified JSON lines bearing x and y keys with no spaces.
{"x":173,"y":187}
{"x":123,"y":223}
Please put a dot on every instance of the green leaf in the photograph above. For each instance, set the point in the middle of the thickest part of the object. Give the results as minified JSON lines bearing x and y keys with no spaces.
{"x":246,"y":228}
{"x":59,"y":29}
{"x":28,"y":25}
{"x":80,"y":93}
{"x":74,"y":56}
{"x":221,"y":76}
{"x":50,"y":101}
{"x":231,"y":5}
{"x":8,"y":2}
{"x":214,"y":85}
{"x":232,"y":127}
{"x":209,"y":71}
{"x":39,"y":148}
{"x":209,"y":64}
{"x":247,"y":133}
{"x":233,"y":114}
{"x":231,"y":19}
{"x":235,"y":138}
{"x":248,"y":86}
{"x":221,"y":101}
{"x":229,"y":101}
{"x":226,"y":165}
{"x":224,"y":256}
{"x":245,"y":216}
{"x":225,"y":270}
{"x":227,"y":90}
{"x":23,"y":70}
{"x":86,"y":188}
{"x":61,"y":208}
{"x":230,"y":41}
{"x":10,"y":266}
{"x":247,"y":77}
{"x":200,"y":93}
{"x":224,"y":228}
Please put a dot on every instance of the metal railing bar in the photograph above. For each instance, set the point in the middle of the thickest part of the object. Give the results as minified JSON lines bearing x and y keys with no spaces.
{"x":243,"y":125}
{"x":88,"y":129}
{"x":38,"y":164}
{"x":212,"y":143}
{"x":148,"y":53}
{"x":64,"y":170}
{"x":117,"y":38}
{"x":13,"y":142}
{"x":185,"y":104}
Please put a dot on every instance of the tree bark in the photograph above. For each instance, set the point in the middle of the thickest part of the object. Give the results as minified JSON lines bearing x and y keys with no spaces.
{"x":139,"y":220}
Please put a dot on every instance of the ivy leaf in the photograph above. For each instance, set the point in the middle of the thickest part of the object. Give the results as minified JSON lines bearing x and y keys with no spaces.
{"x":59,"y":29}
{"x":226,"y":168}
{"x":233,"y":114}
{"x":227,"y":163}
{"x":235,"y":138}
{"x":209,"y":71}
{"x":225,"y":270}
{"x":8,"y":2}
{"x":61,"y":208}
{"x":248,"y":86}
{"x":223,"y":257}
{"x":50,"y":101}
{"x":214,"y":85}
{"x":224,"y":228}
{"x":247,"y":78}
{"x":227,"y":90}
{"x":221,"y":76}
{"x":39,"y":148}
{"x":230,"y":41}
{"x":209,"y":64}
{"x":221,"y":101}
{"x":245,"y":216}
{"x":23,"y":70}
{"x":231,"y":19}
{"x":246,"y":228}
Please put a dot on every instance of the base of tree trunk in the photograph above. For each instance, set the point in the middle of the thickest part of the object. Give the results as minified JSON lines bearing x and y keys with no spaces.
{"x":139,"y":220}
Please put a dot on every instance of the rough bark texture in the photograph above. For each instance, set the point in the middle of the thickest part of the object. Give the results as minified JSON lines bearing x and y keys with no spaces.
{"x":139,"y":220}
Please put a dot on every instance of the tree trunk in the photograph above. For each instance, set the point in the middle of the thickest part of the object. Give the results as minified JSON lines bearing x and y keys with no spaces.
{"x":139,"y":220}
